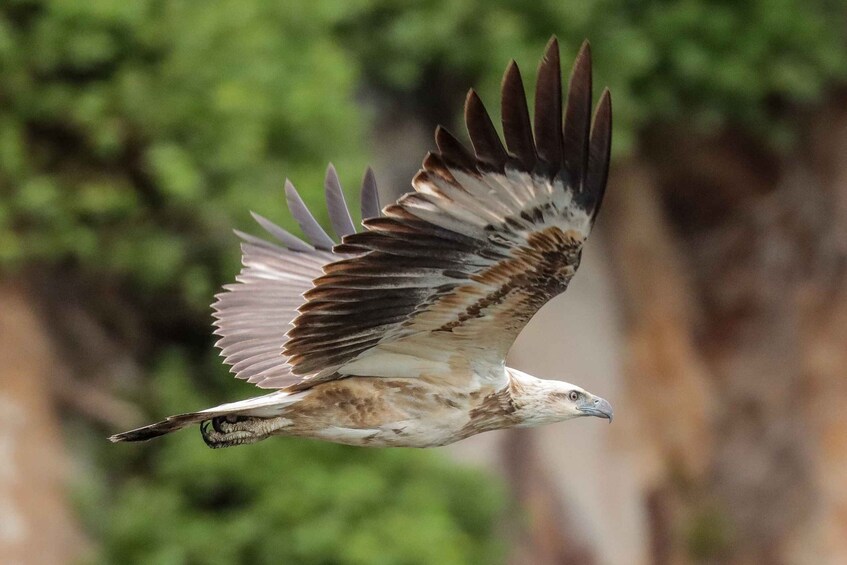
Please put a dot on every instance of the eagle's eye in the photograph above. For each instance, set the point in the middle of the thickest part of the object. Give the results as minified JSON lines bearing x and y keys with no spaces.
{"x":574,"y":395}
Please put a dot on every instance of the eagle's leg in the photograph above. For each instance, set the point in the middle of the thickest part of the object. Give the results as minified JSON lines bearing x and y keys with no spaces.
{"x":229,"y":430}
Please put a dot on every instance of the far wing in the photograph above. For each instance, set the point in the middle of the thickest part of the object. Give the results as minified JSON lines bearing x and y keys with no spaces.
{"x":461,"y":264}
{"x":253,"y":315}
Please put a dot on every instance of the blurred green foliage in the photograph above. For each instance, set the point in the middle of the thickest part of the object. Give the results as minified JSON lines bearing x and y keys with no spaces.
{"x":705,"y":64}
{"x":135,"y":134}
{"x":133,"y":137}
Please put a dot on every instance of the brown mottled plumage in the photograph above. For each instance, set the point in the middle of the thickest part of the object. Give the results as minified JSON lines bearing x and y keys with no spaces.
{"x":398,"y":335}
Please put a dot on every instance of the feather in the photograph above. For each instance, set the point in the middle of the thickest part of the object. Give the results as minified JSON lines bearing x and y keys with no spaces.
{"x":370,"y":196}
{"x":313,"y":230}
{"x":453,"y":153}
{"x":548,"y":107}
{"x":291,"y":241}
{"x":599,"y":153}
{"x":487,"y":145}
{"x":578,"y":119}
{"x":339,"y":214}
{"x":515,"y":116}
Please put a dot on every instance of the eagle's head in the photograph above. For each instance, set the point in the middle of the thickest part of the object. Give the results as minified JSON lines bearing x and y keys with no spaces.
{"x":545,"y":401}
{"x":580,"y":402}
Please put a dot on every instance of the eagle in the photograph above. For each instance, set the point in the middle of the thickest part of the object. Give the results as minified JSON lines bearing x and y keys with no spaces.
{"x":398,"y":335}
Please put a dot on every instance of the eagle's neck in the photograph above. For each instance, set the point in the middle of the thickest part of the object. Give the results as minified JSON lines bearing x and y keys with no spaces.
{"x":525,"y":401}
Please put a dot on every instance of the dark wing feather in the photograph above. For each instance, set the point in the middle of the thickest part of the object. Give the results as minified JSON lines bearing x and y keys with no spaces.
{"x":599,"y":150}
{"x":578,"y":117}
{"x":548,"y":107}
{"x":486,"y":143}
{"x":457,"y":154}
{"x":516,"y":125}
{"x":461,"y":264}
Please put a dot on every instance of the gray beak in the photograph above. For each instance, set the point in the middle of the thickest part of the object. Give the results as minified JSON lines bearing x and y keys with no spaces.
{"x":596,"y":406}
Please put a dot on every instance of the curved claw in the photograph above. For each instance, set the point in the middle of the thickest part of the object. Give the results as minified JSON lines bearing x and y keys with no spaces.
{"x":204,"y":432}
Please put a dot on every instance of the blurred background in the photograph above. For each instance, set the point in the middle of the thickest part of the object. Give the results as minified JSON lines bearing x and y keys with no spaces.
{"x":711,"y":308}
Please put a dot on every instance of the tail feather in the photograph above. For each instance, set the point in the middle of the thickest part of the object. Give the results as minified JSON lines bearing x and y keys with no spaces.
{"x":262,"y":407}
{"x":166,"y":426}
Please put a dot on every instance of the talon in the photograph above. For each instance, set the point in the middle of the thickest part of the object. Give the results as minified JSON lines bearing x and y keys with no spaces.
{"x":216,"y":423}
{"x":204,"y":432}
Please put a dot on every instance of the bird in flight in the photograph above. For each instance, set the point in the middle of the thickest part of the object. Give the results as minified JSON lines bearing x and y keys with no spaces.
{"x":398,"y":335}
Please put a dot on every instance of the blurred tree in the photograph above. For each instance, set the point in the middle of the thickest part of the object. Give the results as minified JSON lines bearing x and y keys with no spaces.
{"x":700,"y":62}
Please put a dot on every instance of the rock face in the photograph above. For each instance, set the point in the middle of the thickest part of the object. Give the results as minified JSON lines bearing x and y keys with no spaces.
{"x":36,"y":524}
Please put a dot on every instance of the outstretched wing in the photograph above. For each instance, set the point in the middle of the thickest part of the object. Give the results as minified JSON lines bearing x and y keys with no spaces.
{"x":253,"y":315}
{"x":461,"y":264}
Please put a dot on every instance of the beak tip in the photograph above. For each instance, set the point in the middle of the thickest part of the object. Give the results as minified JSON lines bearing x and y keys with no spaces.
{"x":606,"y":410}
{"x":600,"y":408}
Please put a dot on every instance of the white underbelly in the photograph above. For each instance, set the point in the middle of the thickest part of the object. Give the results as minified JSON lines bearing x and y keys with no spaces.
{"x":409,"y":433}
{"x":385,"y":412}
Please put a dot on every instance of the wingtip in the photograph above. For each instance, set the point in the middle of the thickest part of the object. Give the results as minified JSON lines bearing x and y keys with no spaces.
{"x":331,"y":177}
{"x":336,"y":204}
{"x":600,"y":150}
{"x":604,"y":106}
{"x":550,"y":62}
{"x":452,"y":150}
{"x":583,"y":57}
{"x":369,"y":205}
{"x":486,"y":142}
{"x":511,"y":76}
{"x":471,"y":98}
{"x":369,"y":180}
{"x":261,"y":220}
{"x":331,"y":180}
{"x":473,"y":103}
{"x":443,"y":138}
{"x":548,"y":107}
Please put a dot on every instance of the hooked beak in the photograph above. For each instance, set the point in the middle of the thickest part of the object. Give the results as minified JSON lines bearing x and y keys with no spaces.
{"x":596,"y":406}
